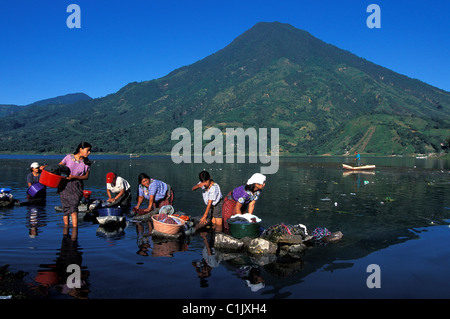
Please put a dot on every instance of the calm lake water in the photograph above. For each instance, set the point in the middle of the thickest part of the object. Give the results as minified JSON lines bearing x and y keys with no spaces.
{"x":396,"y":217}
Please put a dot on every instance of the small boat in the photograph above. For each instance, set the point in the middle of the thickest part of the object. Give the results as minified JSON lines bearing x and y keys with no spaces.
{"x":358,"y":168}
{"x":134,"y":155}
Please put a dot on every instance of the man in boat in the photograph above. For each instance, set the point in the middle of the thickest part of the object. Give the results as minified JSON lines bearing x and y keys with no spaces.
{"x":357,"y":159}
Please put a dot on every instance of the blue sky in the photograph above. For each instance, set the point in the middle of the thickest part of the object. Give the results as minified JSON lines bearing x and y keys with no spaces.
{"x":139,"y":40}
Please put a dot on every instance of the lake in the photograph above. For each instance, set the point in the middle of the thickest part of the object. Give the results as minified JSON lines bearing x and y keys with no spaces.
{"x":396,"y":217}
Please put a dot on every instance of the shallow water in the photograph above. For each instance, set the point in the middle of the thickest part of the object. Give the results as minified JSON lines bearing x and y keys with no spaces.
{"x":396,"y":217}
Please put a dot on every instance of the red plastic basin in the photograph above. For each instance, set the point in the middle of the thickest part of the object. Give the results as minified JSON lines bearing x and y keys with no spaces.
{"x":50,"y":179}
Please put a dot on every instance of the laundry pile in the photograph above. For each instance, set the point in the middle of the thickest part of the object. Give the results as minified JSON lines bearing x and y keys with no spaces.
{"x":164,"y":218}
{"x":183,"y":217}
{"x":244,"y":219}
{"x":6,"y":198}
{"x":282,"y":229}
{"x":320,"y":232}
{"x":61,"y":170}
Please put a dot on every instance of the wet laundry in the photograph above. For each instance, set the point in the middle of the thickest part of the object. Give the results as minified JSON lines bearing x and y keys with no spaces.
{"x":61,"y":170}
{"x":244,"y":219}
{"x":164,"y":218}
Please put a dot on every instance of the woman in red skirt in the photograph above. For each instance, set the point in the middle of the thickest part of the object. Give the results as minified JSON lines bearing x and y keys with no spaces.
{"x":243,"y":198}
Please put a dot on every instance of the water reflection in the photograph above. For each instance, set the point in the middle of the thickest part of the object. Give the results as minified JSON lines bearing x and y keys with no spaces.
{"x":56,"y":275}
{"x":159,"y":246}
{"x":166,"y":248}
{"x":144,"y":230}
{"x":36,"y":219}
{"x":209,"y":260}
{"x":375,"y":211}
{"x":111,"y":232}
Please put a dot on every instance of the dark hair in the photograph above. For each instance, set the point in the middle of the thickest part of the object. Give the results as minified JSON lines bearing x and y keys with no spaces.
{"x":250,"y":187}
{"x":80,"y":146}
{"x":140,"y":178}
{"x":204,"y":176}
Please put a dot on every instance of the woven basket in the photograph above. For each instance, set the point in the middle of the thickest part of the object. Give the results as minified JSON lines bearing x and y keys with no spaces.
{"x":167,"y":228}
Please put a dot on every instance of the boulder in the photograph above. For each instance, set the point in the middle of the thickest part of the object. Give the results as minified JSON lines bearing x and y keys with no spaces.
{"x":333,"y":237}
{"x":285,"y":245}
{"x":290,"y":239}
{"x":227,"y":242}
{"x":261,"y":246}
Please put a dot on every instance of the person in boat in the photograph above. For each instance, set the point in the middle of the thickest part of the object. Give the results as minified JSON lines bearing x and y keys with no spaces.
{"x":357,"y":159}
{"x":212,"y":196}
{"x":118,"y":190}
{"x":243,"y":198}
{"x":71,"y":188}
{"x":157,"y":192}
{"x":33,"y":178}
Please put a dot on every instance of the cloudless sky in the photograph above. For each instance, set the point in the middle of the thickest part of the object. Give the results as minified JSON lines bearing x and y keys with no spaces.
{"x":138,"y":40}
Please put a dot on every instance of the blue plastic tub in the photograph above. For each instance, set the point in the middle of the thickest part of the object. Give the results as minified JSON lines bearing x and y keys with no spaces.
{"x":35,"y":189}
{"x":112,"y":211}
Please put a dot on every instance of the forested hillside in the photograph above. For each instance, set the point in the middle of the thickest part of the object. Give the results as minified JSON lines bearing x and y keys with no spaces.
{"x":323,"y":100}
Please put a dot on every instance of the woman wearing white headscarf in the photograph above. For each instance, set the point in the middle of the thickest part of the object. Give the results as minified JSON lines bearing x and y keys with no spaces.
{"x":243,"y":198}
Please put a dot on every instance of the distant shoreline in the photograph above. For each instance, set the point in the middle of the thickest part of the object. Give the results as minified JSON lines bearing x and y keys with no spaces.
{"x":39,"y":155}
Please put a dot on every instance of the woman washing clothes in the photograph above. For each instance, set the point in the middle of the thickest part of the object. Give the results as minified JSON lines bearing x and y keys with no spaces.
{"x":157,"y":192}
{"x":71,"y":188}
{"x":35,"y":173}
{"x":212,"y":196}
{"x":243,"y":198}
{"x":118,"y":190}
{"x":33,"y":178}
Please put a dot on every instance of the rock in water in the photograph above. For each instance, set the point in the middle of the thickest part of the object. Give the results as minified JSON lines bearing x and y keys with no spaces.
{"x":226,"y":242}
{"x":261,"y":246}
{"x":333,"y":237}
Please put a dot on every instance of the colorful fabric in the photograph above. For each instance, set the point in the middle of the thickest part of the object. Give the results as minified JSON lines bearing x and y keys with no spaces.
{"x":71,"y":193}
{"x":164,"y":218}
{"x":320,"y":233}
{"x":156,"y":188}
{"x":282,"y":229}
{"x":77,"y":168}
{"x":228,"y":209}
{"x":167,"y":200}
{"x":243,"y":196}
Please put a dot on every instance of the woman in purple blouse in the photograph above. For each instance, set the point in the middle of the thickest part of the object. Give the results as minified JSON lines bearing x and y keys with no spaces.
{"x":243,"y":198}
{"x":71,"y":189}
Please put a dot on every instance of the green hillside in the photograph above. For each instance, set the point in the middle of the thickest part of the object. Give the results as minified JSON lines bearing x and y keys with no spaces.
{"x":322,"y":99}
{"x":8,"y":109}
